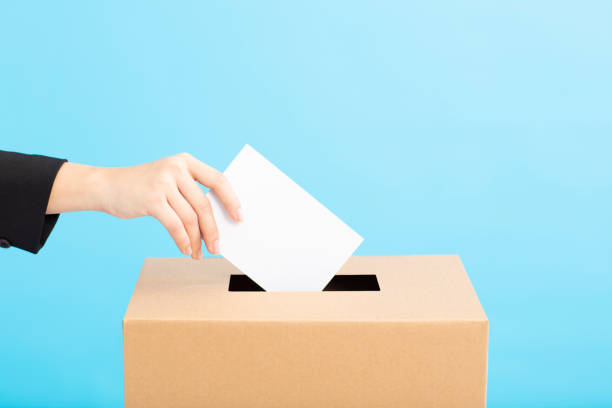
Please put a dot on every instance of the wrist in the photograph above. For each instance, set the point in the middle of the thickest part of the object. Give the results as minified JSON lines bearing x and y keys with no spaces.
{"x":97,"y":188}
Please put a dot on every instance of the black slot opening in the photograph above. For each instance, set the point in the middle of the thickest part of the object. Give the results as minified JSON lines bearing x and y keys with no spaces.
{"x":345,"y":283}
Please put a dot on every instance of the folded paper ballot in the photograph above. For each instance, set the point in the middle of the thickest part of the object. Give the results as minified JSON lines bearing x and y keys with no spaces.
{"x":288,"y":240}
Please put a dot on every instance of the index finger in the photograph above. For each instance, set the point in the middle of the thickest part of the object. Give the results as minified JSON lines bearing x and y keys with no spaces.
{"x":216,"y":181}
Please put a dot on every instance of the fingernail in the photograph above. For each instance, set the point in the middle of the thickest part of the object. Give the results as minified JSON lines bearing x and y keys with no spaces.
{"x":239,"y":215}
{"x":216,"y":247}
{"x":200,"y":254}
{"x":188,"y":250}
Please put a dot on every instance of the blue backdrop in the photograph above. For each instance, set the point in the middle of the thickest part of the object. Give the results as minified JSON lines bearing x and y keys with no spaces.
{"x":475,"y":127}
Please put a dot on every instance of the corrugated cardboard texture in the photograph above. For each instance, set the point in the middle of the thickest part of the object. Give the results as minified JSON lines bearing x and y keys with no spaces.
{"x":420,"y":341}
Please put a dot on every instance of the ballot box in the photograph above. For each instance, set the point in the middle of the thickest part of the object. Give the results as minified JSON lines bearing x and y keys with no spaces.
{"x":387,"y":331}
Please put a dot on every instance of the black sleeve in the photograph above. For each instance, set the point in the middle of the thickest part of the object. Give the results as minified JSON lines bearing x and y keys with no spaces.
{"x":25,"y":186}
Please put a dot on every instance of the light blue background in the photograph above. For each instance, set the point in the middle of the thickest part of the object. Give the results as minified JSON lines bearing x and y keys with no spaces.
{"x":442,"y":127}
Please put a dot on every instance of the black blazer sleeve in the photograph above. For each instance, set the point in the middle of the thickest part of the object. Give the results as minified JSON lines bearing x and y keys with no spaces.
{"x":25,"y":186}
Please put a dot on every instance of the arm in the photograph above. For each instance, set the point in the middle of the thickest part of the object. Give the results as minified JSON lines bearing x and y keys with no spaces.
{"x":166,"y":189}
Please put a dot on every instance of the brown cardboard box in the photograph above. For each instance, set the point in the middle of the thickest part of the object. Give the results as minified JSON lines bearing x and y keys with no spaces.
{"x":421,"y":341}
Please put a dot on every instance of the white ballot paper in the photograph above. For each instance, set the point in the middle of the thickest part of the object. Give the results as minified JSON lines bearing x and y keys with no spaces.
{"x":288,"y":240}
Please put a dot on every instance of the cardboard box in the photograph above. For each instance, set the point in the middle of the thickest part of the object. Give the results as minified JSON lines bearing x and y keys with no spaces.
{"x":419,"y":341}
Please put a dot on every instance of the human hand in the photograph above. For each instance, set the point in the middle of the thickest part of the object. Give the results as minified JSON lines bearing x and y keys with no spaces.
{"x":166,"y":189}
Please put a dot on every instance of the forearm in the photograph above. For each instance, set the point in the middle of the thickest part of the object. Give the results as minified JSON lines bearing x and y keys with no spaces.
{"x":77,"y":187}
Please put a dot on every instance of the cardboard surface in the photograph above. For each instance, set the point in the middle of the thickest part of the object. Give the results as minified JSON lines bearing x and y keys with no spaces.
{"x":420,"y":341}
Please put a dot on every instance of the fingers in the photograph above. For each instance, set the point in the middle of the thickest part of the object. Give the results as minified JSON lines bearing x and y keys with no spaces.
{"x":200,"y":203}
{"x":173,"y":224}
{"x":185,"y":211}
{"x":189,"y":218}
{"x":216,"y":181}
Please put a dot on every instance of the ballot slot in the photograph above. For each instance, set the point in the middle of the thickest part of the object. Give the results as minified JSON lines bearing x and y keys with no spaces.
{"x":339,"y":283}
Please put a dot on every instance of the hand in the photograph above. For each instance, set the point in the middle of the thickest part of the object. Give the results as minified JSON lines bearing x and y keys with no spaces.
{"x":166,"y":189}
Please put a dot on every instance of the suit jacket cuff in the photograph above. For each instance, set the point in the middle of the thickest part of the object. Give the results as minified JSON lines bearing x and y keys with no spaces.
{"x":25,"y":187}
